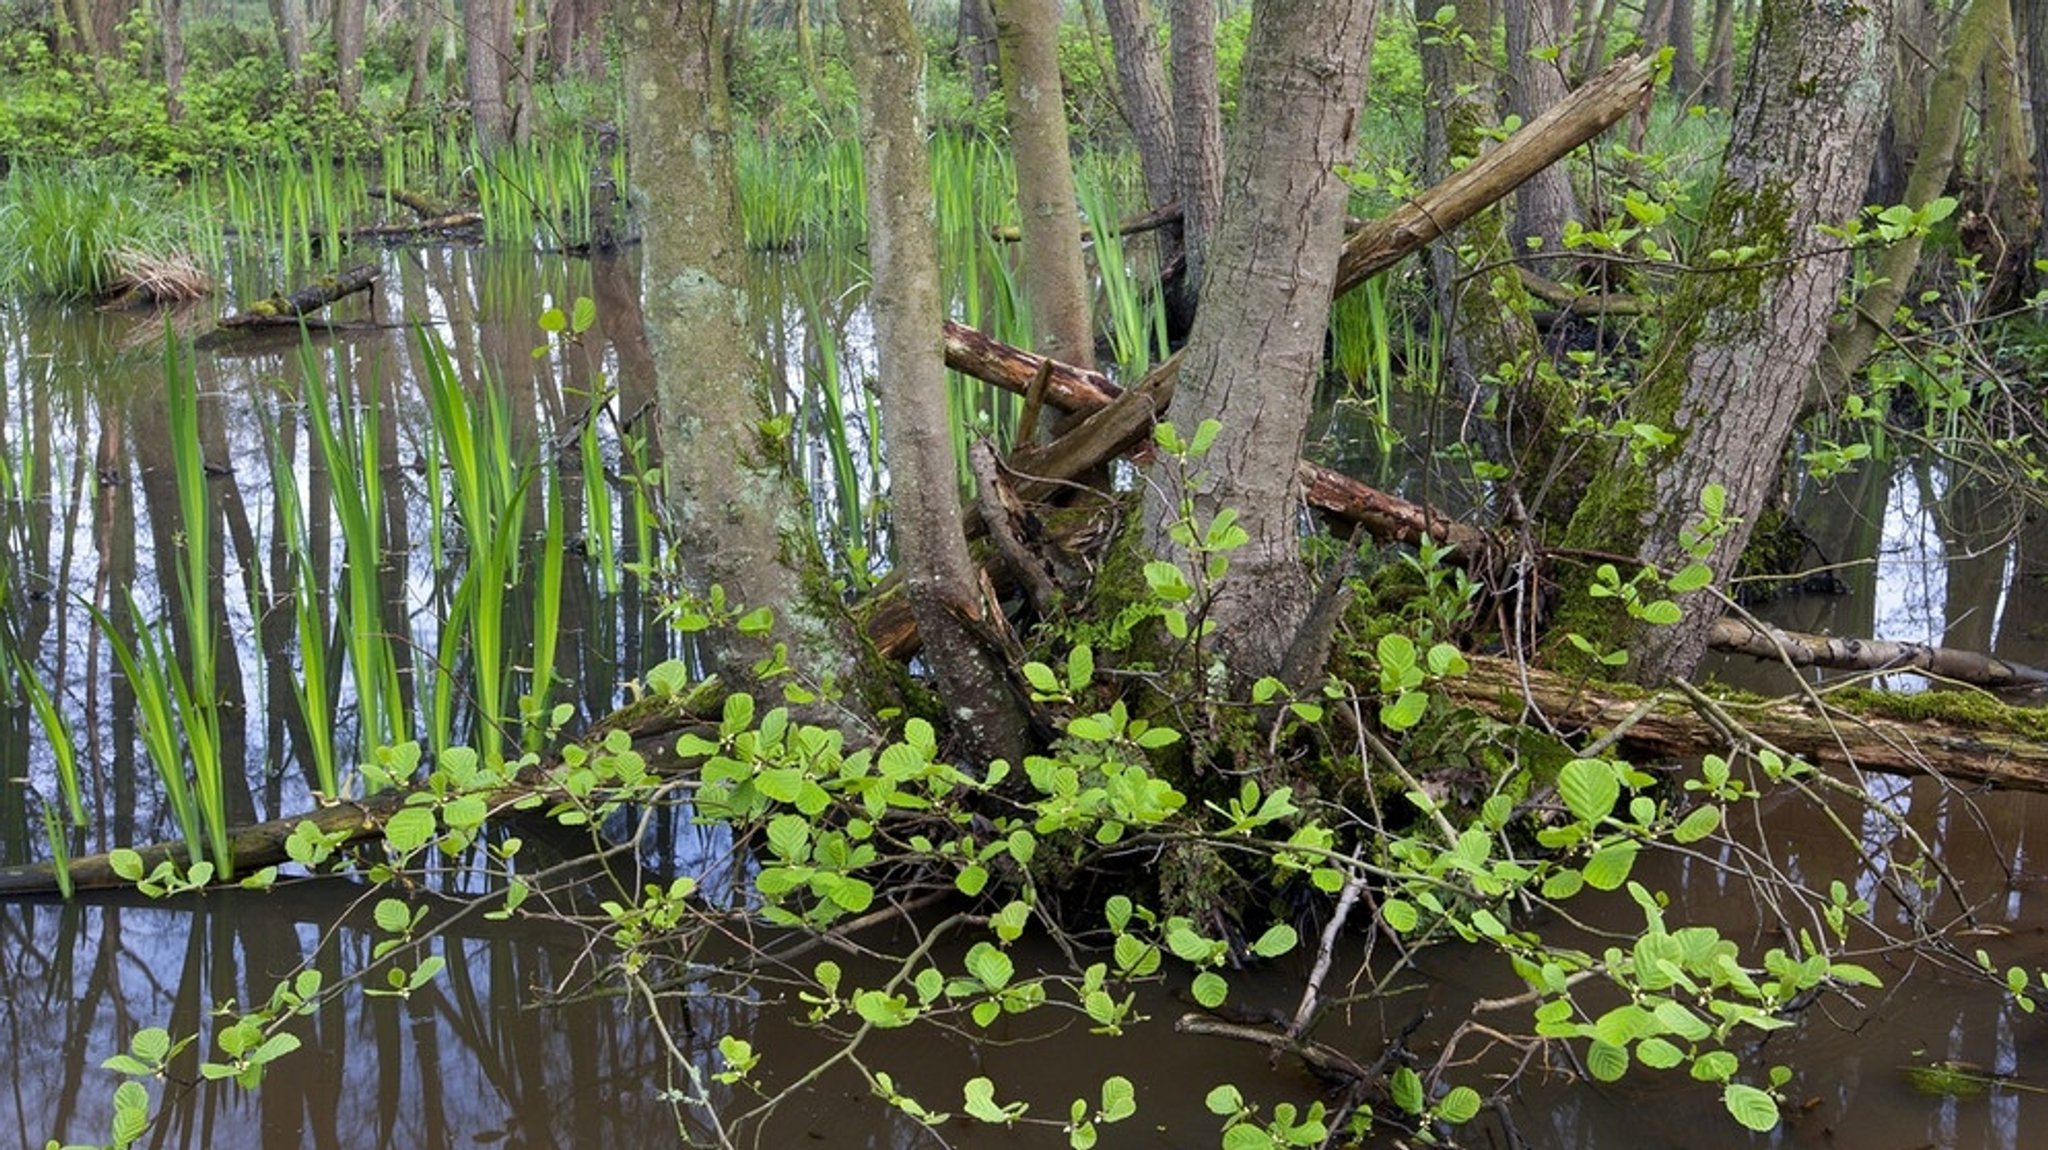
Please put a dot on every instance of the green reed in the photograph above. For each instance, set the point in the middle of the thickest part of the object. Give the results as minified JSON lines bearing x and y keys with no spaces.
{"x":1133,"y":317}
{"x":65,"y":227}
{"x":547,"y":613}
{"x":149,"y":669}
{"x":490,"y":498}
{"x":62,"y":747}
{"x":348,"y":444}
{"x":1361,"y":338}
{"x":196,"y":687}
{"x":597,"y":497}
{"x":313,"y":683}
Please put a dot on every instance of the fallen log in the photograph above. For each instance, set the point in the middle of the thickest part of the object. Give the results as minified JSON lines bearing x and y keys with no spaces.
{"x":2001,"y":748}
{"x":1839,"y":653}
{"x":421,"y":207}
{"x":435,"y":225}
{"x":1136,"y":225}
{"x":287,"y":309}
{"x":262,"y":844}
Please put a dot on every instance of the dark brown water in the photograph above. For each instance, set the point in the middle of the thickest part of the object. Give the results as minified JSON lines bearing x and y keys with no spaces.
{"x":508,"y":1050}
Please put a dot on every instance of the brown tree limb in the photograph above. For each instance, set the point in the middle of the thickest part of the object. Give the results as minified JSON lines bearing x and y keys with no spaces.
{"x":306,"y":300}
{"x":1737,"y":636}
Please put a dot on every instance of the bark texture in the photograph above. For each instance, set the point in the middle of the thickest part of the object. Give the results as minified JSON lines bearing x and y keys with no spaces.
{"x":349,"y":21}
{"x":1739,"y":349}
{"x":1197,"y":128}
{"x":1256,"y":350}
{"x":1538,"y":42}
{"x":1055,"y":277}
{"x":729,"y":492}
{"x":487,"y":30}
{"x":944,"y":590}
{"x":1141,"y":78}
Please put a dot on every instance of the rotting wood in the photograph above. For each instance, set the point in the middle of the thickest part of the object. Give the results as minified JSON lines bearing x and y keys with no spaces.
{"x":422,"y":207}
{"x":435,"y":225}
{"x":1134,"y":225}
{"x":1666,"y":724}
{"x":288,"y":309}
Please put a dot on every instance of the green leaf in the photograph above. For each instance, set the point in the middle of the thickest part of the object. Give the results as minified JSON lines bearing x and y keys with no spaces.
{"x":1609,"y":866}
{"x":980,"y":1094}
{"x":126,"y":864}
{"x":1080,"y":666}
{"x":1660,"y":612}
{"x":971,"y":879}
{"x":1751,"y":1107}
{"x":1691,"y":577}
{"x":1278,"y":940}
{"x":1407,"y":1090}
{"x":1702,"y":822}
{"x":1405,"y":711}
{"x":152,"y":1044}
{"x":1400,"y":915}
{"x":1715,"y":1066}
{"x":131,"y":1113}
{"x":1224,"y":1100}
{"x":1658,"y":1054}
{"x":1589,"y":789}
{"x":582,"y":314}
{"x":990,"y":965}
{"x":1606,"y":1061}
{"x":1460,"y":1106}
{"x":409,"y":829}
{"x":393,"y":916}
{"x":1119,"y":1098}
{"x":1210,"y":989}
{"x":1396,"y":652}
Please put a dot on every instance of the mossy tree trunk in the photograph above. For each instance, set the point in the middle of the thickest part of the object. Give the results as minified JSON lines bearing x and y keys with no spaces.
{"x":1055,"y":277}
{"x":1739,"y":346}
{"x":731,"y":499}
{"x":1256,"y":350}
{"x":173,"y":16}
{"x":1934,"y":161}
{"x":887,"y":59}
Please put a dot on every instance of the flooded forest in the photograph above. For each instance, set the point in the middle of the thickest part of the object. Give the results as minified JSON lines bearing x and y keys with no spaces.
{"x":910,"y":573}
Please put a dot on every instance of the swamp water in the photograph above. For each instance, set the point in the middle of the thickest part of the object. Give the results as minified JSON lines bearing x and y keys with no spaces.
{"x":505,"y":1049}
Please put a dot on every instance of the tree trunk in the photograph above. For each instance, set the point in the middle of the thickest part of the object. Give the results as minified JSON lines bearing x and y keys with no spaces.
{"x":1739,"y":348}
{"x":976,"y":47}
{"x":1197,"y":128}
{"x":424,"y":14}
{"x":1538,"y":37}
{"x":1721,"y":56}
{"x":1256,"y":350}
{"x":2012,"y":209}
{"x":174,"y":60}
{"x":487,"y":29}
{"x":1933,"y":163}
{"x":349,"y":17}
{"x":2035,"y":16}
{"x":887,"y":59}
{"x":728,"y":486}
{"x":1594,"y":54}
{"x":1055,"y":277}
{"x":1141,"y":77}
{"x":1685,"y":53}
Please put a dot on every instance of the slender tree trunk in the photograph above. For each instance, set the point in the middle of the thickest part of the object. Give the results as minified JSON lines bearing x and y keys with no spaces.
{"x":1739,"y":347}
{"x":1197,"y":128}
{"x":1685,"y":53}
{"x":1593,"y":56}
{"x":2034,"y":14}
{"x":1721,"y":56}
{"x":425,"y":14}
{"x":2013,"y":207}
{"x":349,"y":19}
{"x":174,"y":59}
{"x":1055,"y":277}
{"x":1141,"y":77}
{"x":487,"y":29}
{"x":729,"y":491}
{"x":524,"y":43}
{"x":976,"y":46}
{"x":1851,"y":345}
{"x":1483,"y":316}
{"x":1256,"y":350}
{"x":1538,"y":36}
{"x":887,"y":58}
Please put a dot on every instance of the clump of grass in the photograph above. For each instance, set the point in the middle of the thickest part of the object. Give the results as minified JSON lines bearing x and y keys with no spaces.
{"x":79,"y":230}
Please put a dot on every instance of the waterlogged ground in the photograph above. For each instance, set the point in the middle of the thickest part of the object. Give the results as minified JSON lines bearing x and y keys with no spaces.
{"x":509,"y":1050}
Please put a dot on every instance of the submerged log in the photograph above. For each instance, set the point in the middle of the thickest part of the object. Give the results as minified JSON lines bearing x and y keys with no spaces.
{"x":434,"y":225}
{"x":287,"y":309}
